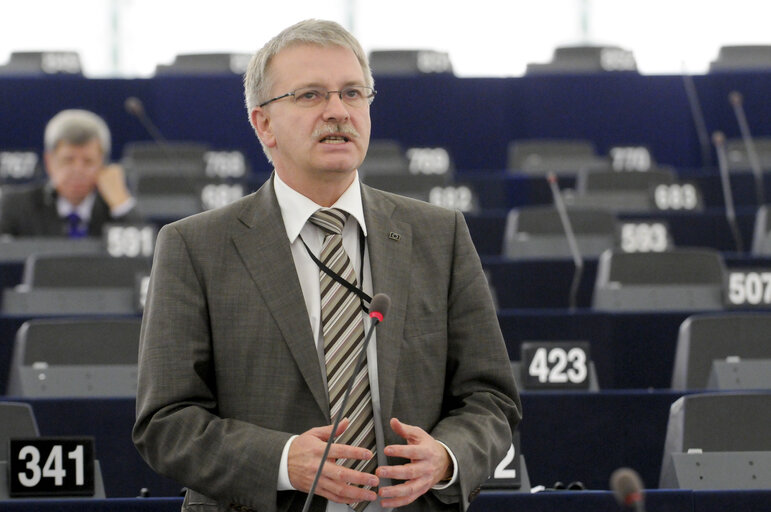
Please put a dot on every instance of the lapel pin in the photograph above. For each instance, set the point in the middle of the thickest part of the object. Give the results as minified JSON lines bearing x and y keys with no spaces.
{"x":394,"y":236}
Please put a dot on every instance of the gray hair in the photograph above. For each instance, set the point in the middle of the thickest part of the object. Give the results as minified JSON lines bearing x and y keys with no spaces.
{"x":257,"y":80}
{"x":77,"y":127}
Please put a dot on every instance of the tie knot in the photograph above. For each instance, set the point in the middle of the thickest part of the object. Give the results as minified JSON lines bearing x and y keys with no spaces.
{"x":331,"y":220}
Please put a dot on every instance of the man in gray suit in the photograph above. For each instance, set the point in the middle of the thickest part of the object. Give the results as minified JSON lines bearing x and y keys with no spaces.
{"x":83,"y":192}
{"x":233,"y":399}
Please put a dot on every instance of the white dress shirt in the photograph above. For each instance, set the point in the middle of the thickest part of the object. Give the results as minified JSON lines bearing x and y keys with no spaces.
{"x":296,"y":209}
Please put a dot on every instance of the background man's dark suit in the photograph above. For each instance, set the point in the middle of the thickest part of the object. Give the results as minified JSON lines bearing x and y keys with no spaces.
{"x":32,"y":212}
{"x":229,"y":367}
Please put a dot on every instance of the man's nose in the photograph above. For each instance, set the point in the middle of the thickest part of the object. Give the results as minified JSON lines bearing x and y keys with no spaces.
{"x":335,"y":109}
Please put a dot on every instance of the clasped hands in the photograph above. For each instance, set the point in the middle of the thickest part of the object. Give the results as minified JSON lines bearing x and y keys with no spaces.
{"x":428,"y":463}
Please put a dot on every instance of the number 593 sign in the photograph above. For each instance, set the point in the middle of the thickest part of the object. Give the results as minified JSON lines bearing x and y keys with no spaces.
{"x":51,"y":466}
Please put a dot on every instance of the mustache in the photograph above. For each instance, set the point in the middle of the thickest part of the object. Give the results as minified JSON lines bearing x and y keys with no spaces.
{"x":327,"y":129}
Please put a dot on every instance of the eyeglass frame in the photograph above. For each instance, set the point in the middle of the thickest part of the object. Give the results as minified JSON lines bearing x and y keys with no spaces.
{"x":369,"y":98}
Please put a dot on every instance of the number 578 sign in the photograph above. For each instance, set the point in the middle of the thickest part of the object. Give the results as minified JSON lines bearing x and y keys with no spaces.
{"x":51,"y":466}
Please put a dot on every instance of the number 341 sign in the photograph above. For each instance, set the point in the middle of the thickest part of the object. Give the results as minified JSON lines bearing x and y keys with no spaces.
{"x":51,"y":466}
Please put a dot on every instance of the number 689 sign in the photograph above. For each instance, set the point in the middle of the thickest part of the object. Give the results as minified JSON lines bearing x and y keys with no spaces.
{"x":51,"y":466}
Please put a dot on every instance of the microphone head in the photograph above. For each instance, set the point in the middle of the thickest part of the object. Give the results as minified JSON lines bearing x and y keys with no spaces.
{"x":134,"y":106}
{"x":627,"y":486}
{"x":735,"y":97}
{"x":378,"y":308}
{"x":718,"y":138}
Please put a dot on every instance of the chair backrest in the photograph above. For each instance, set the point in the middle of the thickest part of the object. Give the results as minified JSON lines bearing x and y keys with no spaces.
{"x":562,"y":156}
{"x":761,"y":236}
{"x":43,"y":63}
{"x":537,"y":232}
{"x":83,"y":271}
{"x":586,"y":59}
{"x":609,"y":181}
{"x":737,"y":57}
{"x":716,"y":422}
{"x":706,"y":337}
{"x":681,"y":279}
{"x":174,"y":158}
{"x":738,"y":157}
{"x":206,"y":63}
{"x":75,"y":357}
{"x":385,"y":156}
{"x":409,"y":62}
{"x":16,"y":420}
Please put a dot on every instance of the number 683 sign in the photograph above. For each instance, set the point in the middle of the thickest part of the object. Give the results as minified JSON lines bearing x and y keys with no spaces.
{"x":51,"y":466}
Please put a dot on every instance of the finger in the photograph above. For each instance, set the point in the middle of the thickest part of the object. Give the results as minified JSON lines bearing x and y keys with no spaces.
{"x":344,"y":451}
{"x":404,"y":472}
{"x":404,"y":493}
{"x":337,"y":473}
{"x":407,"y":451}
{"x":409,"y":432}
{"x":324,"y":432}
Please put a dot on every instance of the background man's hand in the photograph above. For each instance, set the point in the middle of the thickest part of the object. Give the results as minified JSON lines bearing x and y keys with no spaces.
{"x":429,"y":463}
{"x":111,"y":183}
{"x":335,"y":482}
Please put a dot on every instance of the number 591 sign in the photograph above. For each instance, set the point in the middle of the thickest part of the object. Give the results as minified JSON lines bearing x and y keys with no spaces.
{"x":51,"y":466}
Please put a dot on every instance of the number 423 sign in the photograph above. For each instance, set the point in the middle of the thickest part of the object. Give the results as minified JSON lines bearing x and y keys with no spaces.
{"x":51,"y":466}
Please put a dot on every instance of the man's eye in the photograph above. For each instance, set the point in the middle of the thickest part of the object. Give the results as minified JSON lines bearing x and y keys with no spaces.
{"x":309,"y":95}
{"x":352,"y":93}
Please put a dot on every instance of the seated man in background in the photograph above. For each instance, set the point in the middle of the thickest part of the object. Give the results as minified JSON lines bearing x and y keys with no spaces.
{"x":82,"y":193}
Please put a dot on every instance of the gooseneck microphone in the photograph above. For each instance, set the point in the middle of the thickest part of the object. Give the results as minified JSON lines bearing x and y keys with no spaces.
{"x":736,"y":100}
{"x":698,"y":120}
{"x":136,"y":108}
{"x":627,"y":487}
{"x":578,"y":260}
{"x":378,"y":309}
{"x":730,"y":212}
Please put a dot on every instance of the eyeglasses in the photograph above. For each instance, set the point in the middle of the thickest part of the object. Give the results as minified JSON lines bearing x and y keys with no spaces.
{"x":354,"y":96}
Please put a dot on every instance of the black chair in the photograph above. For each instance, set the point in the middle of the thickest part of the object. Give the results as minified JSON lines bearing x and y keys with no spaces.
{"x":409,"y":62}
{"x":706,"y":338}
{"x":16,"y":420}
{"x":205,"y":63}
{"x":585,"y":59}
{"x":718,"y":441}
{"x":761,"y":237}
{"x":536,"y":232}
{"x":741,"y":57}
{"x":561,"y":156}
{"x":174,"y":158}
{"x":77,"y":285}
{"x":75,"y":358}
{"x":43,"y":63}
{"x":738,"y":157}
{"x":680,"y":279}
{"x":618,"y":191}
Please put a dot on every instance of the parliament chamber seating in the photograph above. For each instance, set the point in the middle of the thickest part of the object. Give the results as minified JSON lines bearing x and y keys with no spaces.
{"x":634,"y":351}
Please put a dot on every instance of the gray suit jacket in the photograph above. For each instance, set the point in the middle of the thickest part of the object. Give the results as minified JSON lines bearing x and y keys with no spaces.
{"x":31,"y":211}
{"x":228,"y":368}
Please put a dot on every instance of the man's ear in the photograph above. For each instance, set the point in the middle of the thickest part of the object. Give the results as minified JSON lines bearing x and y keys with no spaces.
{"x":261,"y":123}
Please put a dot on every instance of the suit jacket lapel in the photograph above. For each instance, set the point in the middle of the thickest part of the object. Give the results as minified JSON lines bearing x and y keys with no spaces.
{"x":390,"y":249}
{"x":265,"y":251}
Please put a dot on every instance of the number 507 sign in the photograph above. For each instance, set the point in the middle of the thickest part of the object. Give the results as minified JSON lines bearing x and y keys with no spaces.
{"x":51,"y":466}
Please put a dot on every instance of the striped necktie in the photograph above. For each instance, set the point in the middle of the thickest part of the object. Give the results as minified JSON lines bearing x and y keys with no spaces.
{"x":343,"y":330}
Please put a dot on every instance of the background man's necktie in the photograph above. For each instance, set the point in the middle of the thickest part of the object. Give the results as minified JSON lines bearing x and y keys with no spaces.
{"x":343,"y":330}
{"x":77,"y":228}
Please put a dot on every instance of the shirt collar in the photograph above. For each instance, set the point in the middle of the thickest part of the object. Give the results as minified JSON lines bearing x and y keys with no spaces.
{"x":64,"y":207}
{"x":296,"y":209}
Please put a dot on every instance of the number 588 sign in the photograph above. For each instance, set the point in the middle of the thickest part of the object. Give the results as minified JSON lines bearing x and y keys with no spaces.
{"x":51,"y":466}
